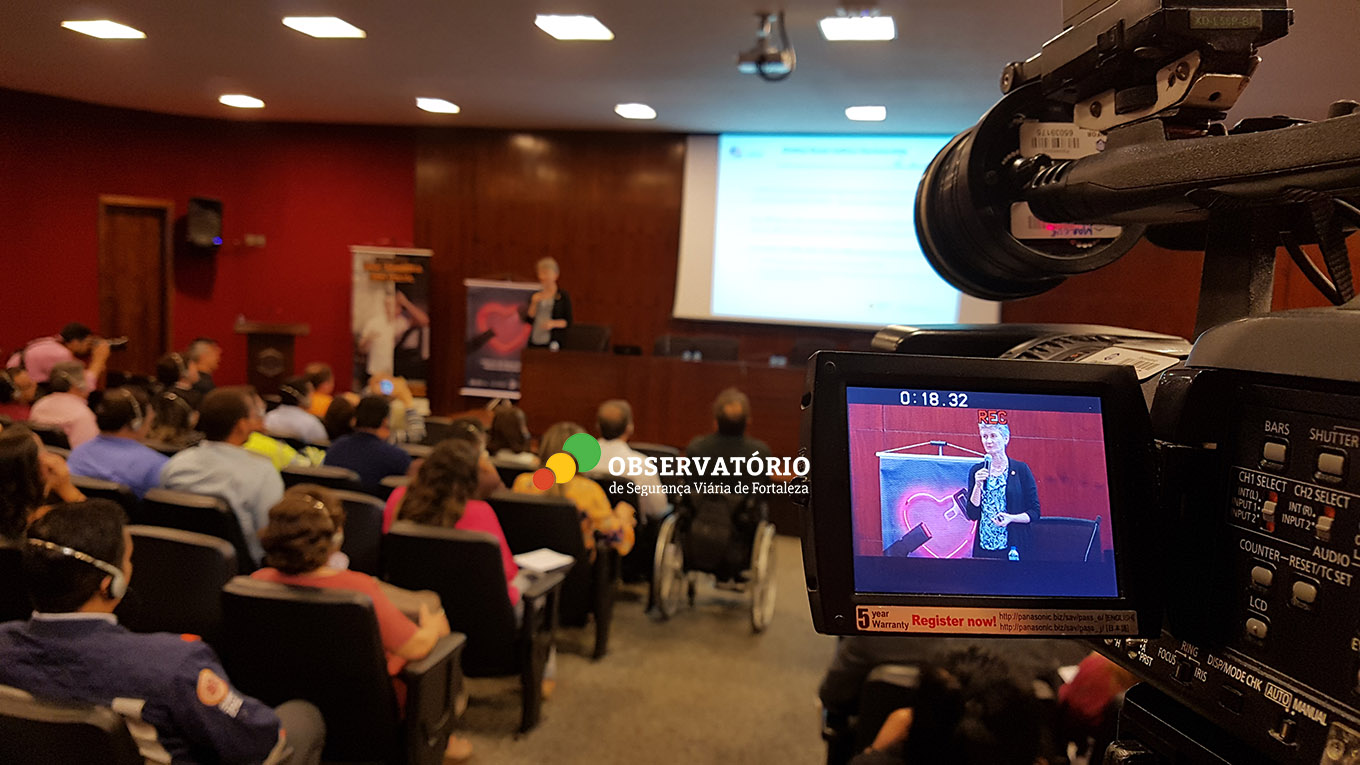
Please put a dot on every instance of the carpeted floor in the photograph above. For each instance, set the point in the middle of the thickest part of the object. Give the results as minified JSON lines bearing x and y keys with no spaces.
{"x":701,"y":688}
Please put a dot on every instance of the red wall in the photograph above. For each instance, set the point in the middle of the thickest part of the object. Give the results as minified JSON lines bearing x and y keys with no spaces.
{"x":311,"y":190}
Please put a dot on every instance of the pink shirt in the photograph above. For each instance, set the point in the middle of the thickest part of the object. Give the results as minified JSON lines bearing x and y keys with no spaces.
{"x":43,"y":354}
{"x":477,"y":516}
{"x":67,"y":411}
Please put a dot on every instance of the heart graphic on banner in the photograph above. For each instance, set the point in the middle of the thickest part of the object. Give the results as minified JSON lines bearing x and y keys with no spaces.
{"x":951,"y":531}
{"x":509,"y":333}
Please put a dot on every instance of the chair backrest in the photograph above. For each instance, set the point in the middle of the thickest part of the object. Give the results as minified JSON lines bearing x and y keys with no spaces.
{"x":465,"y":568}
{"x":584,"y":337}
{"x":509,"y":472}
{"x":51,"y":435}
{"x":417,"y":451}
{"x":534,"y":521}
{"x":654,"y":450}
{"x":34,"y":732}
{"x":709,"y":347}
{"x":1065,"y":539}
{"x":177,"y":582}
{"x":437,"y":429}
{"x":199,"y":513}
{"x":95,"y":488}
{"x":14,"y":601}
{"x":363,"y":531}
{"x":57,"y":450}
{"x":330,"y":476}
{"x":281,"y":642}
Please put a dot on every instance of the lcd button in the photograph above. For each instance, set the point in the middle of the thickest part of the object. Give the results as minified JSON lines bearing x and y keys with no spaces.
{"x":1274,"y":451}
{"x":1332,"y":464}
{"x":1257,"y":628}
{"x":1305,"y":592}
{"x":1262,"y":576}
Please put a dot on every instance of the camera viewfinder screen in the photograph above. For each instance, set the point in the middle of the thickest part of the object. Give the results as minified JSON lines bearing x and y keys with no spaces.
{"x":978,"y":493}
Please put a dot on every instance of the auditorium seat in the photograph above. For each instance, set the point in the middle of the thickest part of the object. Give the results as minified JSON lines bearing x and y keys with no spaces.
{"x":177,"y":582}
{"x":532,"y":522}
{"x":393,"y":481}
{"x":584,"y":337}
{"x":466,"y":569}
{"x":198,"y":513}
{"x":508,"y":471}
{"x":51,"y":435}
{"x":1065,"y":539}
{"x":437,"y":429}
{"x":417,"y":451}
{"x":707,"y":347}
{"x":887,"y":688}
{"x":34,"y":732}
{"x":14,"y":602}
{"x":330,"y":476}
{"x":284,"y":642}
{"x":363,"y":531}
{"x":636,"y":566}
{"x":94,"y":488}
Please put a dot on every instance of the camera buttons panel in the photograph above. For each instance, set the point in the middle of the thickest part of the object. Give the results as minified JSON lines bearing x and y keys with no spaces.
{"x":1273,"y":453}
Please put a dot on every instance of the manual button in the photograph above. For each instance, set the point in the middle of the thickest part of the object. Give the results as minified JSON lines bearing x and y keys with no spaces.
{"x":1274,"y":451}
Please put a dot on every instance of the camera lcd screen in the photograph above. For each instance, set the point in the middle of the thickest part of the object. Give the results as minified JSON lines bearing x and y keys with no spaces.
{"x":976,"y":493}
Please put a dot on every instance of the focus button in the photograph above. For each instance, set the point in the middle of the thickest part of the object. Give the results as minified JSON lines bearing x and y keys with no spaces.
{"x":1274,"y":451}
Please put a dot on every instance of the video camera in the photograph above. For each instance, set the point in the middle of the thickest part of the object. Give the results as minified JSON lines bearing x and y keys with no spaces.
{"x":1195,"y":512}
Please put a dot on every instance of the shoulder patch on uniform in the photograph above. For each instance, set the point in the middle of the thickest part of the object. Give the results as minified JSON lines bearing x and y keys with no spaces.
{"x":212,"y":690}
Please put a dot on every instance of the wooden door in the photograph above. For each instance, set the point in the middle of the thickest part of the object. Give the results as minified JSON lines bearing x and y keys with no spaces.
{"x":135,"y":278}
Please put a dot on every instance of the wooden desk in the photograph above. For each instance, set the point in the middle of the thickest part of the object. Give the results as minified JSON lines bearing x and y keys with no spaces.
{"x":672,"y":399}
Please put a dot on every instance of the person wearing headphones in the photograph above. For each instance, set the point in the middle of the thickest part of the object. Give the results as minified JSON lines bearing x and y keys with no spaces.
{"x":117,"y":454}
{"x":77,"y":564}
{"x":17,"y":391}
{"x":291,"y":418}
{"x":175,"y":374}
{"x":66,"y":406}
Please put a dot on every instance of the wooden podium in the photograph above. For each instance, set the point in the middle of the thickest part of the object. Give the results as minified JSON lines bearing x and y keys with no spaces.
{"x":269,"y":352}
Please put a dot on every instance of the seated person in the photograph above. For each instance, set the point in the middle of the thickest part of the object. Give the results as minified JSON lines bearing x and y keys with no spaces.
{"x":339,"y":419}
{"x":66,"y":406}
{"x":615,"y":421}
{"x":443,"y":494}
{"x":280,"y":453}
{"x":220,"y":467}
{"x":77,"y":564}
{"x":470,"y":429}
{"x":205,"y":354}
{"x":291,"y":418}
{"x":117,"y":453}
{"x":405,"y":419}
{"x":174,"y":421}
{"x":732,"y":411}
{"x":972,"y":708}
{"x":75,"y":339}
{"x":615,"y":523}
{"x":323,"y":387}
{"x":176,"y":375}
{"x":508,"y":439}
{"x":30,"y":479}
{"x":17,"y":391}
{"x":366,"y":450}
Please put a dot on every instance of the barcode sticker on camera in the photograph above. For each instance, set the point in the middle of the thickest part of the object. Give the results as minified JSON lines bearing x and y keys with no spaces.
{"x":1146,"y":365}
{"x":1059,"y":140}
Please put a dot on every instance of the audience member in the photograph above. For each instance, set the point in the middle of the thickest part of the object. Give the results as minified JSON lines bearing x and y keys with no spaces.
{"x":17,"y":391}
{"x":75,"y":339}
{"x":405,"y":419}
{"x":219,"y":467}
{"x":470,"y":429}
{"x":323,"y":387}
{"x":279,"y":453}
{"x":615,"y":421}
{"x":291,"y":418}
{"x":117,"y":453}
{"x":549,"y":309}
{"x":66,"y":406}
{"x":732,"y":411}
{"x":77,"y":564}
{"x":174,"y":421}
{"x":28,"y":476}
{"x":339,"y":419}
{"x":615,"y":523}
{"x":508,"y":440}
{"x":299,"y":542}
{"x":175,"y":374}
{"x":205,"y":354}
{"x":366,"y":451}
{"x":1088,"y":706}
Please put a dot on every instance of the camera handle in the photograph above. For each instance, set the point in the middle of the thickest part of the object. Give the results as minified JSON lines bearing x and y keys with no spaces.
{"x":1239,"y":267}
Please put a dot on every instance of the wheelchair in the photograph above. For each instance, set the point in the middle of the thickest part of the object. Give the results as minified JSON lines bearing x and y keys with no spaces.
{"x":726,"y":536}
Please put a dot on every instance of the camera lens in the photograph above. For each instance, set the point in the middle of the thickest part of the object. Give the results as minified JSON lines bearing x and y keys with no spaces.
{"x":963,"y":213}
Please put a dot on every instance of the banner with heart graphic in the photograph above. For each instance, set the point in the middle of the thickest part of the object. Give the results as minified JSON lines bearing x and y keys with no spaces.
{"x":918,"y":489}
{"x":496,"y":336}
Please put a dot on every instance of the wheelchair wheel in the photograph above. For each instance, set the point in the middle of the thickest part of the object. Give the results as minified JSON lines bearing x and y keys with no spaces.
{"x":762,"y":585}
{"x":668,"y":570}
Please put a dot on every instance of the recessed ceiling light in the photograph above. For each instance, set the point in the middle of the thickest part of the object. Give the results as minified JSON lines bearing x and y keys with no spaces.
{"x":635,"y":111}
{"x":437,"y":105}
{"x":867,"y":113}
{"x":323,"y":26}
{"x":858,"y":28}
{"x":105,"y":29}
{"x":573,"y":27}
{"x":241,"y":101}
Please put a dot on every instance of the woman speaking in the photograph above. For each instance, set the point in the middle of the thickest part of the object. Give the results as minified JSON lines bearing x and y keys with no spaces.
{"x":1004,"y":499}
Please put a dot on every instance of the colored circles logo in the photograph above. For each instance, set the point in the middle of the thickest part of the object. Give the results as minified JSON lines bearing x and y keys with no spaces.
{"x":580,"y":454}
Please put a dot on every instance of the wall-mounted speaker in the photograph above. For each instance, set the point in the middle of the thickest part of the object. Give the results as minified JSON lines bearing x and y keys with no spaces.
{"x":203,"y":222}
